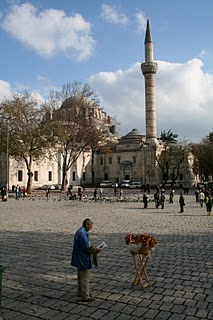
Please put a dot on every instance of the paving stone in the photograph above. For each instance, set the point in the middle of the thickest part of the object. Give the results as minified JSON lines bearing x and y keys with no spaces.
{"x":163,"y":315}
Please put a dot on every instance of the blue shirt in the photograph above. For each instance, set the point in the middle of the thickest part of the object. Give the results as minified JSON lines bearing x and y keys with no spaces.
{"x":80,"y":255}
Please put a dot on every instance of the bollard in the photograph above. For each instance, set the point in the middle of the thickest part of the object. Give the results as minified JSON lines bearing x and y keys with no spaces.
{"x":1,"y":271}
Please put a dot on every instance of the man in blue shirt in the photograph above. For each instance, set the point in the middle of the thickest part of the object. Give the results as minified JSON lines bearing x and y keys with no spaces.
{"x":82,"y":261}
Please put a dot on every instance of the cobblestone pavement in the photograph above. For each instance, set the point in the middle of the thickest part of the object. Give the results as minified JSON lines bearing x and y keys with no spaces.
{"x":36,"y":238}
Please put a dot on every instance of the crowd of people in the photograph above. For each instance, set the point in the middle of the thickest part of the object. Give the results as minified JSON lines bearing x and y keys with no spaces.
{"x":204,"y":197}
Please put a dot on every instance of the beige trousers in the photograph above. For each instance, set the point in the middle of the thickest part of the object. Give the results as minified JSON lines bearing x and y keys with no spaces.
{"x":83,"y":283}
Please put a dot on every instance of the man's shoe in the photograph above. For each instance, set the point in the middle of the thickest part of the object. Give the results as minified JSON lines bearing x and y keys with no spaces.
{"x":91,"y":299}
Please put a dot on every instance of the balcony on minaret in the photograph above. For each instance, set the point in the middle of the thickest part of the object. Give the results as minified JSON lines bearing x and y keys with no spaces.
{"x":149,"y":67}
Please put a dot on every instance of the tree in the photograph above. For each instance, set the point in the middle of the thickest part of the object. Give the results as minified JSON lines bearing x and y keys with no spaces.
{"x":203,"y":157}
{"x":78,"y":122}
{"x":29,"y":134}
{"x":171,"y":156}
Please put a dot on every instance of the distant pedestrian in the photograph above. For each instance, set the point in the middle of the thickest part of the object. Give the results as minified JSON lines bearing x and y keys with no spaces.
{"x":121,"y":194}
{"x":181,"y":202}
{"x":48,"y":192}
{"x":201,"y":198}
{"x":157,"y":199}
{"x":18,"y":192}
{"x":162,"y":199}
{"x":145,"y":201}
{"x":80,"y":194}
{"x":209,"y":204}
{"x":101,"y":193}
{"x":3,"y":194}
{"x":197,"y":195}
{"x":95,"y":192}
{"x":171,"y":196}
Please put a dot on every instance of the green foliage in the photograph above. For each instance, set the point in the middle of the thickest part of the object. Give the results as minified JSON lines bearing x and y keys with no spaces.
{"x":203,"y":152}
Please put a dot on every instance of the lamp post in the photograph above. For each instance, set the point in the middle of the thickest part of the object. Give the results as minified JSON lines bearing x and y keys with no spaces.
{"x":7,"y":161}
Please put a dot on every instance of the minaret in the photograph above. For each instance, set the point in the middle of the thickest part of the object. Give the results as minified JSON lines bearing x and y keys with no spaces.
{"x":149,"y":69}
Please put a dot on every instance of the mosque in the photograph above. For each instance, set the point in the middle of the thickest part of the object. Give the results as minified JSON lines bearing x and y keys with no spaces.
{"x":132,"y":157}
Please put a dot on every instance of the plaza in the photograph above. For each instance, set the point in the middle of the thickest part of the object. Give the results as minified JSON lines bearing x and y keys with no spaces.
{"x":36,"y":237}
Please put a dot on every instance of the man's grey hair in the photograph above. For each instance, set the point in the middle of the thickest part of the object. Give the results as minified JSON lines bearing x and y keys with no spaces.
{"x":87,"y":221}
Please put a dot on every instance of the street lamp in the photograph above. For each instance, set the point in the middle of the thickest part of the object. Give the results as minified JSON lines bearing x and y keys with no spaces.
{"x":7,"y":161}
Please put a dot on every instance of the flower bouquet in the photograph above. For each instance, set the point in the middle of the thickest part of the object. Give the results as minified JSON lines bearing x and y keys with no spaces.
{"x":140,"y":243}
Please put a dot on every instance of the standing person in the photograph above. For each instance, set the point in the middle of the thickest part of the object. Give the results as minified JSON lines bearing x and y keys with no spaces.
{"x":181,"y":202}
{"x":3,"y":194}
{"x":162,"y":199}
{"x":95,"y":192}
{"x":157,"y":199}
{"x":171,"y":196}
{"x":24,"y":192}
{"x":201,"y":198}
{"x":48,"y":192}
{"x":145,"y":201}
{"x":82,"y":261}
{"x":197,"y":195}
{"x":101,"y":193}
{"x":80,"y":194}
{"x":209,"y":204}
{"x":18,"y":190}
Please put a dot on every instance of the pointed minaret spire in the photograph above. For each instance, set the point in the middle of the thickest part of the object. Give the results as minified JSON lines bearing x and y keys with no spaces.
{"x":148,"y":37}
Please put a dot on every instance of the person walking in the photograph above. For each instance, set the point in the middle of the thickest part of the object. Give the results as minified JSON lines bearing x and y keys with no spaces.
{"x":95,"y":193}
{"x":209,"y":204}
{"x":162,"y":199}
{"x":82,"y":261}
{"x":201,"y":198}
{"x":145,"y":201}
{"x":181,"y":202}
{"x":3,"y":194}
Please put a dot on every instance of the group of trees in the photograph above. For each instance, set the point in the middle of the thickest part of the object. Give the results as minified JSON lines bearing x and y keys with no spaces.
{"x":203,"y":157}
{"x":174,"y":153}
{"x":66,"y":123}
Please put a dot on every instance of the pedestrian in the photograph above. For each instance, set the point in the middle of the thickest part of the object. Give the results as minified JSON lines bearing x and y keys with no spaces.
{"x":18,"y":192}
{"x":121,"y":195}
{"x":181,"y":202}
{"x":24,"y":192}
{"x":208,"y":204}
{"x":80,"y":194}
{"x":145,"y":201}
{"x":3,"y":194}
{"x":197,"y":195}
{"x":162,"y":199}
{"x":81,"y":259}
{"x":101,"y":193}
{"x":171,"y":196}
{"x":157,"y":199}
{"x":95,"y":192}
{"x":48,"y":192}
{"x":201,"y":198}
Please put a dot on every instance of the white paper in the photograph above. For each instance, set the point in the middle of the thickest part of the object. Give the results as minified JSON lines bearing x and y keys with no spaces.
{"x":102,"y":245}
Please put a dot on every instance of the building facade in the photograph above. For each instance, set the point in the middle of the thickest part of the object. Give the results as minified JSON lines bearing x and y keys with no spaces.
{"x":131,"y":157}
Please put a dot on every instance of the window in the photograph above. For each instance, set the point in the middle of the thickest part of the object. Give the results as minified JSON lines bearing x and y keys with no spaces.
{"x":73,"y":176}
{"x":35,"y":175}
{"x":110,"y":160}
{"x":134,"y":159}
{"x":106,"y":176}
{"x":180,"y":176}
{"x":49,"y":175}
{"x":119,"y":159}
{"x":20,"y":175}
{"x":84,"y":176}
{"x":101,"y":160}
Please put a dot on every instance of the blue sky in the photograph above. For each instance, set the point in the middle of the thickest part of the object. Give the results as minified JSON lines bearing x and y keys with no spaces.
{"x":48,"y":43}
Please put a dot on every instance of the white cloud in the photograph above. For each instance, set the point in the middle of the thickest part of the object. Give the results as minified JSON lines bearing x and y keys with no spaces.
{"x":141,"y":19}
{"x":112,"y":15}
{"x":50,"y":31}
{"x":184,"y":98}
{"x":5,"y":90}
